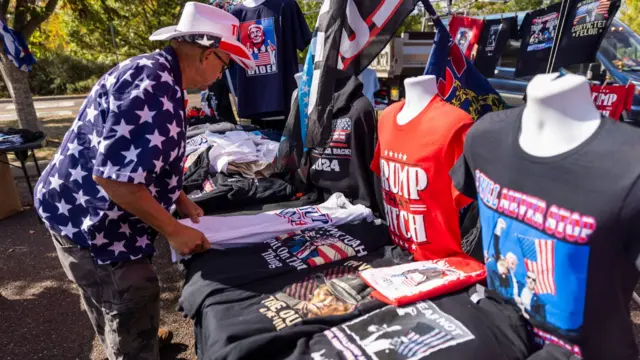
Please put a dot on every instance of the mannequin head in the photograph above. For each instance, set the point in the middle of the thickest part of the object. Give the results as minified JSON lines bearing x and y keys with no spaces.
{"x":546,"y":85}
{"x":559,"y":114}
{"x":419,"y":91}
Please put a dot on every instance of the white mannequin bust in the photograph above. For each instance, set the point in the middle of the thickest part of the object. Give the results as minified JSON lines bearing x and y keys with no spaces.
{"x":559,"y":115}
{"x":252,"y":3}
{"x":419,"y":91}
{"x":298,"y":77}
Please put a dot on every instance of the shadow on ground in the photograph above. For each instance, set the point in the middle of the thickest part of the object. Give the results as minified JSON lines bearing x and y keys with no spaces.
{"x":41,"y":313}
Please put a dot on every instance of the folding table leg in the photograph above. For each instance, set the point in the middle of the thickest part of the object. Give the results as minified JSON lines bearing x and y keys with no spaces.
{"x":35,"y":160}
{"x":26,"y":174}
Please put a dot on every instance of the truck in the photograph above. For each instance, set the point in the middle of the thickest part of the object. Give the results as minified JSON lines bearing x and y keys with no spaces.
{"x":407,"y":55}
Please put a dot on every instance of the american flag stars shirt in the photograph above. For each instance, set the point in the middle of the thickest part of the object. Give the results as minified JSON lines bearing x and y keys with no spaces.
{"x":131,"y":129}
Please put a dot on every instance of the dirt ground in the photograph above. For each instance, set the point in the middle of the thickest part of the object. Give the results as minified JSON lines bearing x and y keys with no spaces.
{"x":40,"y":312}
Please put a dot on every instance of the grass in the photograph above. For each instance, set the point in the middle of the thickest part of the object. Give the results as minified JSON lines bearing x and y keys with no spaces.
{"x":54,"y":128}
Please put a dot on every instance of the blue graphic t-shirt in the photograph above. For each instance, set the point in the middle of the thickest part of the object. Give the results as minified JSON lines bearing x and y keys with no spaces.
{"x":561,"y":235}
{"x":130,"y":129}
{"x":273,"y":32}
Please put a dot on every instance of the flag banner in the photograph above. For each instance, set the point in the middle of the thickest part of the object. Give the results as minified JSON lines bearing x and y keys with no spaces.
{"x":587,"y":23}
{"x":466,"y":32}
{"x":459,"y":82}
{"x":349,"y":34}
{"x":16,"y":48}
{"x":493,"y":40}
{"x":538,"y":30}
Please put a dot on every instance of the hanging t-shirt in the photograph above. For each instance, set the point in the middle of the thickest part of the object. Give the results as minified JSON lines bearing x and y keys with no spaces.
{"x":273,"y":32}
{"x":342,"y":165}
{"x":560,"y":233}
{"x":369,"y":79}
{"x":612,"y":100}
{"x":413,"y":162}
{"x":493,"y":40}
{"x":587,"y":23}
{"x":538,"y":31}
{"x":465,"y":32}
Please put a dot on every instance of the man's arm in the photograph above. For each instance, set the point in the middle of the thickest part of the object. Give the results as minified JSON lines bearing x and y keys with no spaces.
{"x":136,"y":199}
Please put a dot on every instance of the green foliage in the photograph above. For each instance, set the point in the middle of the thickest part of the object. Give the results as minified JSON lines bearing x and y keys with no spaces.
{"x":59,"y":74}
{"x":486,"y":8}
{"x":87,"y":26}
{"x":630,"y":15}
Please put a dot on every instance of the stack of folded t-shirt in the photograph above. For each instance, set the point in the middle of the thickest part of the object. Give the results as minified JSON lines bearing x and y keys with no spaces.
{"x":299,"y":296}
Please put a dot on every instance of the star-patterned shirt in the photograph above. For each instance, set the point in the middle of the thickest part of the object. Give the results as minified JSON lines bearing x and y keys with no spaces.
{"x":130,"y":128}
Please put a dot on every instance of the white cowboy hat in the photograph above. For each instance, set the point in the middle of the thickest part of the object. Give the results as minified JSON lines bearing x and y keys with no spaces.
{"x":210,"y":27}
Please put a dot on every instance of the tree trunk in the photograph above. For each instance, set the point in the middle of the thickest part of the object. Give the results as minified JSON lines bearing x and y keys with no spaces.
{"x":17,"y":82}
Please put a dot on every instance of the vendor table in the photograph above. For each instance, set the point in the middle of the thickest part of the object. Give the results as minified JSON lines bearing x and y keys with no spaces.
{"x":21,"y":152}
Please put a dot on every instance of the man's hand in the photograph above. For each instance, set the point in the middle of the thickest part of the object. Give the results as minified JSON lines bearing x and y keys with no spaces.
{"x":186,"y":240}
{"x":188,"y":209}
{"x":136,"y":199}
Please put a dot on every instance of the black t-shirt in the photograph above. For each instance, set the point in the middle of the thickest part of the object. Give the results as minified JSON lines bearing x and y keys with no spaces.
{"x":343,"y":164}
{"x":493,"y":39}
{"x":246,"y":301}
{"x":586,"y":25}
{"x":444,"y":328}
{"x":538,"y":32}
{"x":273,"y":32}
{"x":560,"y":234}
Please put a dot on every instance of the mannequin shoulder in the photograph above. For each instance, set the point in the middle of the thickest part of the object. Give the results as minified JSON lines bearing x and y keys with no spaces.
{"x":623,"y":137}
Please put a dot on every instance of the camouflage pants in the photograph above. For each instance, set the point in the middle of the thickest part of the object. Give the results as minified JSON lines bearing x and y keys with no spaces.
{"x":123,"y":300}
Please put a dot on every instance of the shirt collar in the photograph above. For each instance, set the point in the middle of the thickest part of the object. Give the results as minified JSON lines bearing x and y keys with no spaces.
{"x":174,"y":64}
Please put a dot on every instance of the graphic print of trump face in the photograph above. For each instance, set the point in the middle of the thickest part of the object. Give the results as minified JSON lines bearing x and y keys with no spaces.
{"x":256,"y":35}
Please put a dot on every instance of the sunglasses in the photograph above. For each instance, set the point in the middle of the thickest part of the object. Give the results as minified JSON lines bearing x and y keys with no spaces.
{"x":225,"y":65}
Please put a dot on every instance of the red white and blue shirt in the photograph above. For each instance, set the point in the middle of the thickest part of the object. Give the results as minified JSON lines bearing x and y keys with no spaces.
{"x":131,"y":129}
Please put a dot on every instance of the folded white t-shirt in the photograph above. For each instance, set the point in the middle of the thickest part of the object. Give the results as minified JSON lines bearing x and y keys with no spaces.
{"x":244,"y":229}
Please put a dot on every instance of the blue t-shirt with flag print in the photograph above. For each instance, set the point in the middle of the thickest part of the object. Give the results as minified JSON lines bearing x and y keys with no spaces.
{"x":272,"y":32}
{"x":129,"y":129}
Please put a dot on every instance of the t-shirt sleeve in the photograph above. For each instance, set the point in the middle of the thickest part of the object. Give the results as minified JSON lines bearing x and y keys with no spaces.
{"x":300,"y":27}
{"x":375,"y":163}
{"x":140,"y":129}
{"x":629,"y":214}
{"x":464,"y":188}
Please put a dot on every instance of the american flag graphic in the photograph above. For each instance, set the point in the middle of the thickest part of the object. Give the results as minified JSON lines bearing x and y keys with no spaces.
{"x":262,"y":58}
{"x":341,"y":128}
{"x":539,"y":258}
{"x":328,"y":253}
{"x":303,"y":290}
{"x":422,"y":340}
{"x":590,"y":11}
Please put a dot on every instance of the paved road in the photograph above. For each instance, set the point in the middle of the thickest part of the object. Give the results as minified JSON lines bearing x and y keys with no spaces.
{"x":61,"y":107}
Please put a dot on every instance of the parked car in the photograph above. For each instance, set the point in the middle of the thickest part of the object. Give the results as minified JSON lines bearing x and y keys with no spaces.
{"x":619,"y":55}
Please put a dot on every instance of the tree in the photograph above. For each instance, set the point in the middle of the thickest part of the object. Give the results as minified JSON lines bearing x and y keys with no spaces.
{"x":630,"y":14}
{"x":88,"y":26}
{"x":24,"y":16}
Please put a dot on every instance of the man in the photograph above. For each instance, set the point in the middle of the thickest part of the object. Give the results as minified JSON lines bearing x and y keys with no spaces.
{"x":512,"y":264}
{"x":107,"y":192}
{"x":531,"y":304}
